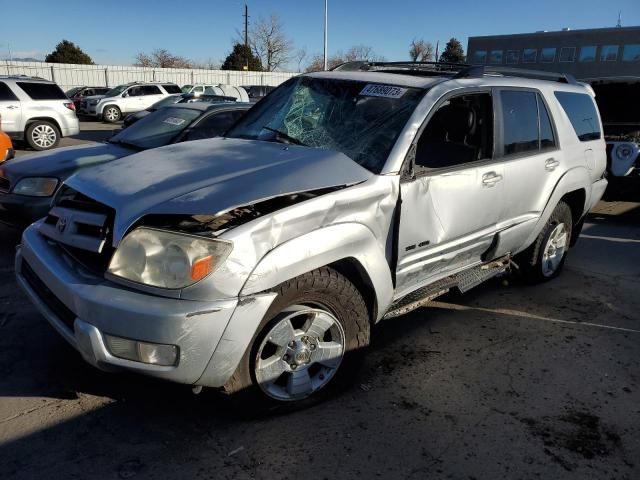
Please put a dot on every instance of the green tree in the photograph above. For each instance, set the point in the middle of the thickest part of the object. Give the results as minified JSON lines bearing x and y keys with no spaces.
{"x":453,"y":52}
{"x":240,"y":57}
{"x":68,"y":52}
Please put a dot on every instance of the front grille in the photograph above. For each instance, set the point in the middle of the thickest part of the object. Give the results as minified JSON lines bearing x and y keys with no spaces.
{"x":5,"y":185}
{"x":82,"y":227}
{"x":58,"y":308}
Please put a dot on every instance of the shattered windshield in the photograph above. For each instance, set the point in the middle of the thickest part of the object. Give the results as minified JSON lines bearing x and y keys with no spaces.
{"x":360,"y":119}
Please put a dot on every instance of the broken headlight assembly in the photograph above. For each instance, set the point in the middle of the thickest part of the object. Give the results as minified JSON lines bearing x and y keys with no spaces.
{"x":165,"y":259}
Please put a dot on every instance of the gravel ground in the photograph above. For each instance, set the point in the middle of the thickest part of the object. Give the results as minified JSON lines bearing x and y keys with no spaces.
{"x":506,"y":381}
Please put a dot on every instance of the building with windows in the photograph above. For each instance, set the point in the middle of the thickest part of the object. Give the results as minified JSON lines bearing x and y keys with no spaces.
{"x":590,"y":55}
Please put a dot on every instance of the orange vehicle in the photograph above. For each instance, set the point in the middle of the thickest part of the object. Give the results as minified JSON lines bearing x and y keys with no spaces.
{"x":6,"y":147}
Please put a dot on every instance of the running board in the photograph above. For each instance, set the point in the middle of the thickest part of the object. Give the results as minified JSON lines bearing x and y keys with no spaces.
{"x":464,"y":281}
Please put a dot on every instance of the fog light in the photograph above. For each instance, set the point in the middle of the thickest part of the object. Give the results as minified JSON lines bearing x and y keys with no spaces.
{"x":152,"y":353}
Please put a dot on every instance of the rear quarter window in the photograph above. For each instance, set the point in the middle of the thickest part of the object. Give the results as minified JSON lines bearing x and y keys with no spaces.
{"x":6,"y":93}
{"x":581,"y":110}
{"x":42,"y":91}
{"x":172,"y":88}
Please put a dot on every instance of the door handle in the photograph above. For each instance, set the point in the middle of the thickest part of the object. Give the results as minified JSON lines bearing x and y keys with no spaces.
{"x":551,"y":164}
{"x":12,"y":107}
{"x":490,"y":179}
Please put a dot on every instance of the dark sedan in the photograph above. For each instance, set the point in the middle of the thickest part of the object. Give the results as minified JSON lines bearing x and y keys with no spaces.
{"x":77,"y":94}
{"x":183,"y":98}
{"x":27,"y":184}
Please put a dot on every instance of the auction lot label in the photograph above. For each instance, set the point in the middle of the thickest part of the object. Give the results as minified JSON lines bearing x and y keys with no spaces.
{"x":386,"y":91}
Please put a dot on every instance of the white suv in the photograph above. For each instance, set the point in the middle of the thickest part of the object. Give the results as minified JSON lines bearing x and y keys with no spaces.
{"x":36,"y":110}
{"x":127,"y":98}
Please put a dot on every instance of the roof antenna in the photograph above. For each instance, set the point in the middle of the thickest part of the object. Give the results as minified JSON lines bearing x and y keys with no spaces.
{"x":619,"y":19}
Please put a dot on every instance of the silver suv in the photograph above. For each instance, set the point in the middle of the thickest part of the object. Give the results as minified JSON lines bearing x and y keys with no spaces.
{"x":36,"y":110}
{"x":258,"y":262}
{"x":127,"y":98}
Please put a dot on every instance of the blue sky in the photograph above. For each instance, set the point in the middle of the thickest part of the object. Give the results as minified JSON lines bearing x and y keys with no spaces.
{"x":113,"y":31}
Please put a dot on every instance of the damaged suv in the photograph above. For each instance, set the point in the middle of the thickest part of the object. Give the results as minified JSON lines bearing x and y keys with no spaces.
{"x":258,"y":262}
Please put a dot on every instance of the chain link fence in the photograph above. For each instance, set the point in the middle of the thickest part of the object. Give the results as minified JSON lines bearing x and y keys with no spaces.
{"x":70,"y":75}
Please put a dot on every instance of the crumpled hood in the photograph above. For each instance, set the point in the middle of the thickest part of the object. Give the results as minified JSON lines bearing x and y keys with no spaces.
{"x":207,"y":177}
{"x":61,"y":162}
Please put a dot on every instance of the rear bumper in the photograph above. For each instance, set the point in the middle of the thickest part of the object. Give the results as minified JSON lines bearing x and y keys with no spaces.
{"x":83,"y":307}
{"x":597,"y":190}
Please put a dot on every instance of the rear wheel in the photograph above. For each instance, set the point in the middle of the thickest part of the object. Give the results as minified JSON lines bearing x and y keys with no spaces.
{"x":309,"y":343}
{"x":42,"y":135}
{"x":545,"y":259}
{"x":111,"y":114}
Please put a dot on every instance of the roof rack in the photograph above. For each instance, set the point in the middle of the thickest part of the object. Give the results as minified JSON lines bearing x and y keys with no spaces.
{"x":456,"y":70}
{"x":412,"y":68}
{"x":478,"y":71}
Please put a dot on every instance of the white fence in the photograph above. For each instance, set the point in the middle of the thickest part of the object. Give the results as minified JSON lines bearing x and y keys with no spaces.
{"x":69,"y":75}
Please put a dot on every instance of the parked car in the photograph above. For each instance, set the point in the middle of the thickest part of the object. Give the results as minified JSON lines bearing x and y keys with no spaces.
{"x":258,"y":92}
{"x":172,"y":99}
{"x":127,"y":98}
{"x":618,"y":101}
{"x":258,"y":262}
{"x":6,"y":146}
{"x":37,"y":111}
{"x":77,"y":94}
{"x":220,"y":90}
{"x":27,"y":184}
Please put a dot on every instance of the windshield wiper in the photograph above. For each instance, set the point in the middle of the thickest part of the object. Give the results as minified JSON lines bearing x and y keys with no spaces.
{"x":283,"y":136}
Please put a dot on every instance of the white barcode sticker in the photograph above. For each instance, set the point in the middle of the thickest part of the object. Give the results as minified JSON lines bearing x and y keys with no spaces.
{"x":386,"y":91}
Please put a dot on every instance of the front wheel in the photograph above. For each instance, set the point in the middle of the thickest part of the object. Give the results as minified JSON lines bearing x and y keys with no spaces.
{"x":545,"y":259}
{"x":111,"y":114}
{"x":310,"y":341}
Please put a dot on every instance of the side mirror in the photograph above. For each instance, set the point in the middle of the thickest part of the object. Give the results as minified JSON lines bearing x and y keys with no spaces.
{"x":125,"y":94}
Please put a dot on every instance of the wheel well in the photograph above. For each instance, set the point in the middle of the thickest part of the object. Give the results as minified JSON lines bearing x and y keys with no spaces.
{"x":356,"y":274}
{"x":43,"y":119}
{"x":575,"y":200}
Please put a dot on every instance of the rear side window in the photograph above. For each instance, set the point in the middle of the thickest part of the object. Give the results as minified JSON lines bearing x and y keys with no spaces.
{"x":150,"y":90}
{"x":42,"y":91}
{"x":172,"y":88}
{"x":215,"y":125}
{"x":520,"y":121}
{"x":6,"y":93}
{"x":581,"y":111}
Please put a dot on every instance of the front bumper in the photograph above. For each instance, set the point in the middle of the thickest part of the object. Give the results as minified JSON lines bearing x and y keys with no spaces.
{"x":21,"y":210}
{"x":82,"y":306}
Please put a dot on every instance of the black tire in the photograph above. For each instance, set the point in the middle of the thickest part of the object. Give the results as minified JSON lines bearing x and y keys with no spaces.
{"x":530,"y":261}
{"x":42,"y":135}
{"x":325,"y":289}
{"x":111,"y":114}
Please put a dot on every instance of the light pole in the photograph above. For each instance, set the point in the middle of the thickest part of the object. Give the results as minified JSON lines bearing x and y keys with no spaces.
{"x":325,"y":34}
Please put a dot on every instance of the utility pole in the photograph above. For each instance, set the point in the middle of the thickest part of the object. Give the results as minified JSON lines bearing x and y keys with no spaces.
{"x":246,"y":36}
{"x":437,"y":47}
{"x":326,"y":9}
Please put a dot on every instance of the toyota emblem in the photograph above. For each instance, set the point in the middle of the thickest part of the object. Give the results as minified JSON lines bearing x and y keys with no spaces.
{"x":61,"y":224}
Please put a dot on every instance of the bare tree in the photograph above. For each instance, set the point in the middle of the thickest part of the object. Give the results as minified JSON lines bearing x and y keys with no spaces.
{"x":300,"y":55}
{"x":269,"y":42}
{"x":355,"y":53}
{"x":161,"y":58}
{"x":419,"y":50}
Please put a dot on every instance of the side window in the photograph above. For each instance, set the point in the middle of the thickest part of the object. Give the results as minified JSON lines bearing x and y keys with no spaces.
{"x":88,"y":92}
{"x":213,"y":126}
{"x":172,"y":88}
{"x":582,"y":113}
{"x":519,"y":121}
{"x":547,"y":139}
{"x":151,"y":90}
{"x":198,"y":89}
{"x":135,"y":91}
{"x":6,"y":94}
{"x":459,"y":132}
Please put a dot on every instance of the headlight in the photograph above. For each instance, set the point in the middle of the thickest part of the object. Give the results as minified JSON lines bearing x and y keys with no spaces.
{"x":36,"y":186}
{"x":160,"y":258}
{"x":624,"y":151}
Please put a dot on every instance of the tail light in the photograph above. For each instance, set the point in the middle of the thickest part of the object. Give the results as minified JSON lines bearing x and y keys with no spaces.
{"x":70,"y":106}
